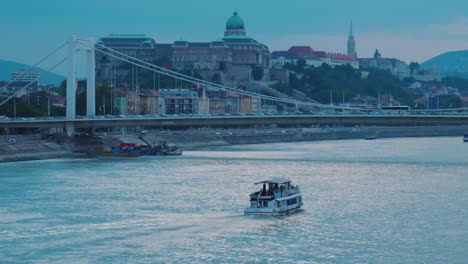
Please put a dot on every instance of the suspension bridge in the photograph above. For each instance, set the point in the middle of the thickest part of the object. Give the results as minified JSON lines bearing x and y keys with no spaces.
{"x":334,"y":115}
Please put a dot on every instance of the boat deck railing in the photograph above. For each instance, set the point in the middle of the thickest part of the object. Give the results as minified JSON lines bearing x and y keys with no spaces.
{"x":286,"y":193}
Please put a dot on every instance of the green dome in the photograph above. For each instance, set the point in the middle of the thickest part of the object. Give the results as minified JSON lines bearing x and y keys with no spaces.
{"x":235,"y":22}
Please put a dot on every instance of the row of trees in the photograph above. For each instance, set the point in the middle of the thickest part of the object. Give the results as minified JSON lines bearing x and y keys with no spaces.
{"x":320,"y":83}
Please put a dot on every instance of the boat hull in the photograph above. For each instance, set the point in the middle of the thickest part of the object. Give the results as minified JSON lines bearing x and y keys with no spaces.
{"x":123,"y":155}
{"x":163,"y":153}
{"x":270,"y":212}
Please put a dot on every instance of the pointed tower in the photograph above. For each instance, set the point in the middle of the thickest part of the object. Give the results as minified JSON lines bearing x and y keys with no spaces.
{"x":351,"y":43}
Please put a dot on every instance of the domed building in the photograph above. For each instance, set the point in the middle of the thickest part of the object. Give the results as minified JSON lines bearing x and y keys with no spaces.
{"x":235,"y":25}
{"x":233,"y":55}
{"x":245,"y":50}
{"x":235,"y":48}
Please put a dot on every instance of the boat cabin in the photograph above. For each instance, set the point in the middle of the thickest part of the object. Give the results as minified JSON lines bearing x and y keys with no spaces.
{"x":276,"y":196}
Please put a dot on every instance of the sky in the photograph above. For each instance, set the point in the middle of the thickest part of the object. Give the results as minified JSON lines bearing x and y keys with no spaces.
{"x":411,"y":30}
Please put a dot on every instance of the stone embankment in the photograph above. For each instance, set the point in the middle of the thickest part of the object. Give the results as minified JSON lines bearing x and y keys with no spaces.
{"x":33,"y":147}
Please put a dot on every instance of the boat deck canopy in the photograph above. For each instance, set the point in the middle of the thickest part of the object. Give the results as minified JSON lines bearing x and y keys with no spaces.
{"x":275,"y":180}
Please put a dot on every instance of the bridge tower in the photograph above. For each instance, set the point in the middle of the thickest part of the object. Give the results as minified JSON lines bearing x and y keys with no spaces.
{"x":72,"y":84}
{"x":71,"y":87}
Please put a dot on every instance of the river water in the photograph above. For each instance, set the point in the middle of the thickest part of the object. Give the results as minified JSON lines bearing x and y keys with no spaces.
{"x":381,"y":201}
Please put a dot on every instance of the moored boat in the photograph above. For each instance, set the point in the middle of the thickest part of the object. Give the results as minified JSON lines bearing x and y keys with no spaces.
{"x":123,"y":150}
{"x":119,"y":154}
{"x":277,"y":197}
{"x":161,"y":149}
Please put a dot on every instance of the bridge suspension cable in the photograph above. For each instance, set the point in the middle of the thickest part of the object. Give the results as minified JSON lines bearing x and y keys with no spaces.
{"x":30,"y":83}
{"x":193,"y":80}
{"x":177,"y":75}
{"x":33,"y":66}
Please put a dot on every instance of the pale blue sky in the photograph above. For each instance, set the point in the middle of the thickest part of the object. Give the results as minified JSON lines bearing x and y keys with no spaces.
{"x":410,"y":30}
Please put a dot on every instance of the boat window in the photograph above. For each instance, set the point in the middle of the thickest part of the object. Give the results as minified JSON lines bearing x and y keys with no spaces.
{"x":292,"y":201}
{"x":265,"y":203}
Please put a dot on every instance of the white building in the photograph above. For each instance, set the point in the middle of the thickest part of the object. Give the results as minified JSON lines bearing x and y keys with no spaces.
{"x":312,"y":57}
{"x":26,"y":76}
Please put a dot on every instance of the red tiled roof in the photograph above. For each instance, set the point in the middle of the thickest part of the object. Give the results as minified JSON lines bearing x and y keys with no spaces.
{"x":320,"y":54}
{"x":58,"y":100}
{"x":302,"y":51}
{"x":340,"y":56}
{"x":232,"y":94}
{"x":420,"y":100}
{"x":154,"y":93}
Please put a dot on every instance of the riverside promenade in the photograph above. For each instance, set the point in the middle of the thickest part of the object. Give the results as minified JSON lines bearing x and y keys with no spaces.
{"x":33,"y":147}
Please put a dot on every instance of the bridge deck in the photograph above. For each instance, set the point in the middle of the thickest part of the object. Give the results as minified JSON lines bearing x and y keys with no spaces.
{"x":232,"y":121}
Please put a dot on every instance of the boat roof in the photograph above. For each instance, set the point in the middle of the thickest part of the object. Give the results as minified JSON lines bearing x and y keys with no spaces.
{"x":275,"y":180}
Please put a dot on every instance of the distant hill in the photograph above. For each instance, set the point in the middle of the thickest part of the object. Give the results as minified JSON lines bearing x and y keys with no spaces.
{"x":453,"y":63}
{"x":7,"y":67}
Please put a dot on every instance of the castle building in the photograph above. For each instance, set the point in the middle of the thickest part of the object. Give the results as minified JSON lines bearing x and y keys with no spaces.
{"x":317,"y":58}
{"x":235,"y":51}
{"x":235,"y":48}
{"x":312,"y":57}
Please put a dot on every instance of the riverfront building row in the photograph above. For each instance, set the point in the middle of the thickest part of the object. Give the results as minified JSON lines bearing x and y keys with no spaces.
{"x":207,"y":100}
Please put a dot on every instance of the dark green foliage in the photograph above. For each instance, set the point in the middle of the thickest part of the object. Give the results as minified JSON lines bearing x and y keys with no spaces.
{"x":23,"y":109}
{"x":414,"y":66}
{"x":456,"y":82}
{"x":318,"y":83}
{"x":282,"y":87}
{"x":257,"y":73}
{"x":216,"y":78}
{"x":453,"y":102}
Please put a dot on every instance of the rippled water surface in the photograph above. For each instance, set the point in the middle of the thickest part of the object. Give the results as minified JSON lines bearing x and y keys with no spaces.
{"x":382,"y":201}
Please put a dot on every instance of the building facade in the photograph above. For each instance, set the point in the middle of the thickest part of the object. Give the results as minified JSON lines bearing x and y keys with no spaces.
{"x":25,"y":76}
{"x":312,"y":57}
{"x":234,"y":48}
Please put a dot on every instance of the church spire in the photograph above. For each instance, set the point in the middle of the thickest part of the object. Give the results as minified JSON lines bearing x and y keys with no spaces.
{"x":351,"y":42}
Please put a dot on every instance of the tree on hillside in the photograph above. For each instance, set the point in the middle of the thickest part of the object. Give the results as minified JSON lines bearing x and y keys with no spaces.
{"x":453,"y":102}
{"x":216,"y":78}
{"x":301,"y":65}
{"x":257,"y":73}
{"x":318,"y":82}
{"x":414,"y":66}
{"x":456,"y":82}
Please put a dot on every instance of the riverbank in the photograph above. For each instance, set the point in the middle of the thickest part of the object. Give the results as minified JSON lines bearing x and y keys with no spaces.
{"x":33,"y":147}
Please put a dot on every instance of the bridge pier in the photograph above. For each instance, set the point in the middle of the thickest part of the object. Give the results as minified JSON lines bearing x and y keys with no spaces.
{"x":91,"y":82}
{"x":71,"y":86}
{"x":70,"y":127}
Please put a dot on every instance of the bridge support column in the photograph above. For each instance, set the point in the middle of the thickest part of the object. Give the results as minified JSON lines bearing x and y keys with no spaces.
{"x":70,"y":127}
{"x":71,"y":86}
{"x":91,"y":82}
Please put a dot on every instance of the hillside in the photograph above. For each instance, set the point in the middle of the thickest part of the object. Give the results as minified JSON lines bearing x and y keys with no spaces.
{"x":454,"y":63}
{"x":7,"y":67}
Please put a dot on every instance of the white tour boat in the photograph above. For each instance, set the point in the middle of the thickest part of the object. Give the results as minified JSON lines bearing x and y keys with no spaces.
{"x":276,"y":197}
